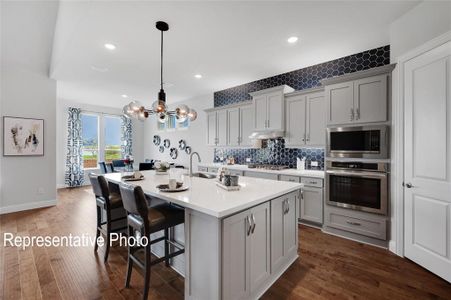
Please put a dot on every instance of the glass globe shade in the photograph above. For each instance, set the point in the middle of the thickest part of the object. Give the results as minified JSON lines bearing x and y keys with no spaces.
{"x":159,"y":107}
{"x":127,"y":111}
{"x":181,"y":113}
{"x":142,"y":115}
{"x":192,"y":114}
{"x":162,"y":117}
{"x":135,"y":106}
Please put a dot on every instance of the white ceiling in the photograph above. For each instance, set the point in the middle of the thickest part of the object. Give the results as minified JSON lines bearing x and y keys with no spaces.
{"x":229,"y":43}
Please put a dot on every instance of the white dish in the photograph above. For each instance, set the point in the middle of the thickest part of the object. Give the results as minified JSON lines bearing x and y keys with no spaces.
{"x":168,"y":190}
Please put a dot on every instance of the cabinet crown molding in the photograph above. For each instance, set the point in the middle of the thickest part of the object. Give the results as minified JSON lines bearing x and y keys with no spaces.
{"x":282,"y":88}
{"x":305,"y":91}
{"x":233,"y":105}
{"x":358,"y":75}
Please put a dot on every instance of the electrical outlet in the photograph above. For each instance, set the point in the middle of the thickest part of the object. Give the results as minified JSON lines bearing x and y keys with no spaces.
{"x":248,"y":159}
{"x":40,"y":191}
{"x":314,"y":163}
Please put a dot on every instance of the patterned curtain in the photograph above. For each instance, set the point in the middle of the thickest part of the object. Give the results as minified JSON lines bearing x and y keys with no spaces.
{"x":74,"y":160}
{"x":126,"y":137}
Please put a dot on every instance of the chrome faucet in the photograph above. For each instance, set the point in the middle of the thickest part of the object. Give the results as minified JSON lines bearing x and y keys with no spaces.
{"x":191,"y":163}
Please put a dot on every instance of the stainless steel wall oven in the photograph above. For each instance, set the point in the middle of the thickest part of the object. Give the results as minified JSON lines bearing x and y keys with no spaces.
{"x":358,"y":185}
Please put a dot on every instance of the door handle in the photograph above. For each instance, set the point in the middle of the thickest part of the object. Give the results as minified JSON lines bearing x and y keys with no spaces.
{"x":249,"y":224}
{"x":253,"y":224}
{"x":407,"y":185}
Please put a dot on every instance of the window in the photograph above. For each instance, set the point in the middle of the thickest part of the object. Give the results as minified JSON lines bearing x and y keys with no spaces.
{"x":101,"y":138}
{"x":90,"y":134}
{"x":112,"y":125}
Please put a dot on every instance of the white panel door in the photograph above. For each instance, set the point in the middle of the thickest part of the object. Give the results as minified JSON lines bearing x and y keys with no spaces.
{"x":247,"y":125}
{"x":275,"y":111}
{"x":221,"y":115}
{"x":316,"y":120}
{"x":312,"y":205}
{"x":233,"y":120}
{"x":295,"y":121}
{"x":260,"y":112}
{"x":427,"y":86}
{"x":211,"y":128}
{"x":340,"y":103}
{"x":370,"y":99}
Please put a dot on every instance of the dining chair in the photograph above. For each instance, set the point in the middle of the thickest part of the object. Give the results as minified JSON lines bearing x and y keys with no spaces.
{"x":146,"y":166}
{"x":143,"y":220}
{"x":103,"y":168}
{"x":109,"y":168}
{"x":106,"y":200}
{"x":118,"y":163}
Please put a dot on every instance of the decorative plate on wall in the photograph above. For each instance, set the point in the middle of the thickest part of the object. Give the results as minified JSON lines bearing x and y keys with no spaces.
{"x":167,"y":143}
{"x":188,"y":150}
{"x":161,"y":149}
{"x":173,"y":153}
{"x":182,"y":144}
{"x":156,"y":140}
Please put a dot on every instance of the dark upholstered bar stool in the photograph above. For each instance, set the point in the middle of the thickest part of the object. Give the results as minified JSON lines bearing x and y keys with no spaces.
{"x":144,"y":220}
{"x":105,"y":200}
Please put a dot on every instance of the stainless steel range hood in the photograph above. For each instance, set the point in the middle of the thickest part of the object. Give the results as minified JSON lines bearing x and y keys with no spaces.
{"x":267,"y":134}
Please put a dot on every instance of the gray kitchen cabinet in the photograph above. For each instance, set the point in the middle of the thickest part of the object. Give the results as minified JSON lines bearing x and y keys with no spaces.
{"x":213,"y":169}
{"x":305,"y":119}
{"x":217,"y":128}
{"x":311,"y":206}
{"x":290,"y":178}
{"x":262,"y":175}
{"x":246,"y":125}
{"x":284,"y":240}
{"x":211,"y":129}
{"x":236,"y":172}
{"x":359,"y":101}
{"x":246,"y":252}
{"x":269,"y":108}
{"x":233,"y":119}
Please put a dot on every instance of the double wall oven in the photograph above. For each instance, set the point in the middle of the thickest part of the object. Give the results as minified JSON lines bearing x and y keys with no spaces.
{"x":357,"y":169}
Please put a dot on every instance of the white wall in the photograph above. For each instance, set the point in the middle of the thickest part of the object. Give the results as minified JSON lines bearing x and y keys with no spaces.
{"x":61,"y":136}
{"x":195,"y":136}
{"x":27,"y":30}
{"x":421,"y":24}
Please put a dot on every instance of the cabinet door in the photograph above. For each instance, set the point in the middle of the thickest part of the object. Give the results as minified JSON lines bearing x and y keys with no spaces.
{"x":290,"y":223}
{"x":233,"y":121}
{"x":275,"y":112}
{"x":259,"y":256}
{"x":311,"y":208}
{"x":340,"y":101}
{"x":211,"y":128}
{"x":260,"y":112}
{"x":295,"y":121}
{"x":316,"y":120}
{"x":221,"y":116}
{"x":247,"y":125}
{"x":277,"y":227}
{"x":235,"y":264}
{"x":370,"y":99}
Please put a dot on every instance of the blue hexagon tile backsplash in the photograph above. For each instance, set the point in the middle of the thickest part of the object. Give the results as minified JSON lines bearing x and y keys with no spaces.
{"x":275,"y":152}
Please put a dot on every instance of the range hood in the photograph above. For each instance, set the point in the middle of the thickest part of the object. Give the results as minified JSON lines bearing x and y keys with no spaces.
{"x":266,"y":134}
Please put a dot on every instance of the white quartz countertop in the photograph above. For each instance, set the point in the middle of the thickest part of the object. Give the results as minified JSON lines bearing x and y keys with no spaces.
{"x":292,"y":172}
{"x":204,"y":196}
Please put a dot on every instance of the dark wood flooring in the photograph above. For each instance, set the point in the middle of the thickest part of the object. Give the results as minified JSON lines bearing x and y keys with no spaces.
{"x":328,"y":268}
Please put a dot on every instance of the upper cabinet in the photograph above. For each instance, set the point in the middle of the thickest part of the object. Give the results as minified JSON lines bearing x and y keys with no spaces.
{"x":269,"y":108}
{"x":305,"y":118}
{"x":217,"y":128}
{"x":360,"y":97}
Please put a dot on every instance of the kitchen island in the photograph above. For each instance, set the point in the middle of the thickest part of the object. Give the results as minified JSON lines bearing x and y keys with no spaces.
{"x":238,"y":243}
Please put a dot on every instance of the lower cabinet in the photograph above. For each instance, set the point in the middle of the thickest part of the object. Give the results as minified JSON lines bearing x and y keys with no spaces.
{"x":261,"y":175}
{"x":246,"y":252}
{"x":284,"y":238}
{"x":311,"y":208}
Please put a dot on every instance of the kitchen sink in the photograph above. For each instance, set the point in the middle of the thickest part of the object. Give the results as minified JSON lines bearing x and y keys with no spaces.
{"x":204,"y":175}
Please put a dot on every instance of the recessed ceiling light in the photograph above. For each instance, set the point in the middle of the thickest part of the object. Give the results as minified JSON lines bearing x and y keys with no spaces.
{"x":110,"y":46}
{"x":99,"y":69}
{"x":124,"y":96}
{"x":292,"y":39}
{"x":198,"y":76}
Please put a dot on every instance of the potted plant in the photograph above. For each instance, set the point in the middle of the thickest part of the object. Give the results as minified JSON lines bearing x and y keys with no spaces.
{"x":161,"y":167}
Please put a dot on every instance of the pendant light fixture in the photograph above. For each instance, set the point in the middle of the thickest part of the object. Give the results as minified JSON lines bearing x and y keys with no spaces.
{"x":135,"y":110}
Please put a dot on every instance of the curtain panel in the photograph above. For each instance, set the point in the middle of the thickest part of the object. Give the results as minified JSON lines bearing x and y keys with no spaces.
{"x":74,"y":160}
{"x":126,"y":136}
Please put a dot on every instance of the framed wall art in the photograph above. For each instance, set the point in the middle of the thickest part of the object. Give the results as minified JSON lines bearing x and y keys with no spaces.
{"x":23,"y":136}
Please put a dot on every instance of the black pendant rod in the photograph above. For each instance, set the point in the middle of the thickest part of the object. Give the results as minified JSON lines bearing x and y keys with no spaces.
{"x":161,"y":62}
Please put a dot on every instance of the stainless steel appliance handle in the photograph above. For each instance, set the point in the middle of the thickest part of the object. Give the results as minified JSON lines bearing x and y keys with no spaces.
{"x":358,"y":174}
{"x":254,"y":224}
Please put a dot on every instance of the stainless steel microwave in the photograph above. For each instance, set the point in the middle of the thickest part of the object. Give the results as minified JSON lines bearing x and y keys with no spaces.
{"x":358,"y":142}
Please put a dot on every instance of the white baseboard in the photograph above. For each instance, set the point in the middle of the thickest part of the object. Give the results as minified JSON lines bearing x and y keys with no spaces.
{"x":26,"y":206}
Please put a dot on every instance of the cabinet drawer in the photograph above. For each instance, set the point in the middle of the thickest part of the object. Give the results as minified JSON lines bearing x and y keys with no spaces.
{"x":212,"y":170}
{"x":355,"y":222}
{"x":202,"y":169}
{"x":289,"y":178}
{"x":310,"y":181}
{"x":236,"y":172}
{"x":262,"y":175}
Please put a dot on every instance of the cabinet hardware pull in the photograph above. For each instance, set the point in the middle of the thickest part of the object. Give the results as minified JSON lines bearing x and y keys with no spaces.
{"x":308,"y":137}
{"x":288,"y":206}
{"x":283,"y":206}
{"x":352,"y":114}
{"x":357,"y":113}
{"x":248,"y":218}
{"x":302,"y":194}
{"x":253,"y":222}
{"x":353,"y":223}
{"x":303,"y":138}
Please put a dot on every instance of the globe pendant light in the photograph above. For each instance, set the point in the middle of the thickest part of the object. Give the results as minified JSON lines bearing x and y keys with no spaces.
{"x":135,"y":110}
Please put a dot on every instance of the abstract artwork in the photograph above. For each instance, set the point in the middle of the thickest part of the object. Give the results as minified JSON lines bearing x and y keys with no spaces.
{"x":23,"y":136}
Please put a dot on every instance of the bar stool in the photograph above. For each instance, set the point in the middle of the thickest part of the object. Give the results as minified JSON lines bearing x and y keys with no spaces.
{"x":144,"y":220}
{"x":107,"y":201}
